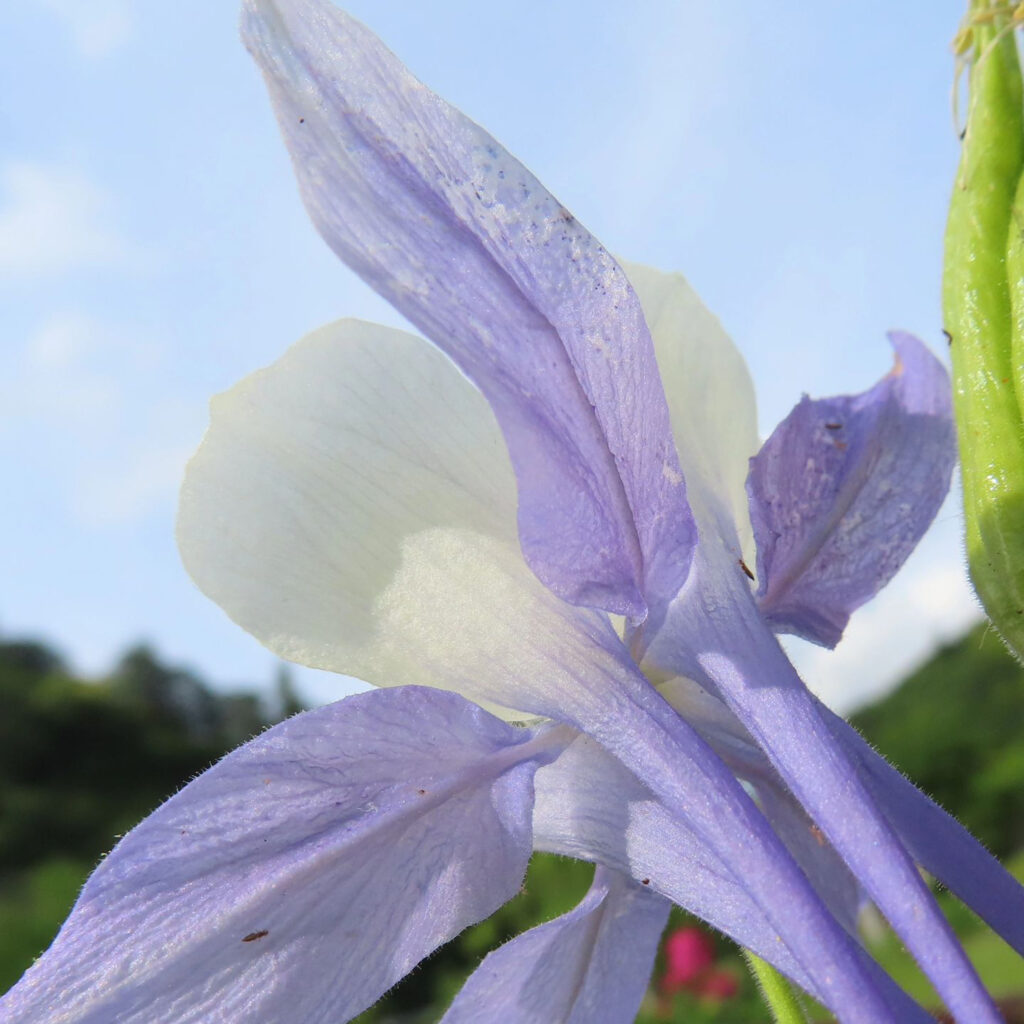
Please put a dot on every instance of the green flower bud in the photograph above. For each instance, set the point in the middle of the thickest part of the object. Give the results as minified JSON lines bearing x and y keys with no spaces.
{"x":983,"y":308}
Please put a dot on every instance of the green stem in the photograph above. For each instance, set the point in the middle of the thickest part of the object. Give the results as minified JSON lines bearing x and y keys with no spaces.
{"x":779,"y":994}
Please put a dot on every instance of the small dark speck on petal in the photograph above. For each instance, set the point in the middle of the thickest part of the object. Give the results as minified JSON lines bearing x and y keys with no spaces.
{"x":422,"y":792}
{"x":253,"y":936}
{"x":302,"y":120}
{"x":745,"y":568}
{"x":833,"y":426}
{"x":645,"y":881}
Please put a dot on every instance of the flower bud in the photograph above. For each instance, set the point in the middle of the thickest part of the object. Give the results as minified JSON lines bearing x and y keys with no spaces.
{"x":983,"y":309}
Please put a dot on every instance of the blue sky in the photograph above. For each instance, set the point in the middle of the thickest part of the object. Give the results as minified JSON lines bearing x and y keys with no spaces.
{"x":153,"y":250}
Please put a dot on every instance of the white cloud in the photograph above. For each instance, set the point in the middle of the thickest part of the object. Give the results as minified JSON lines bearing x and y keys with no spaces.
{"x":72,"y":370}
{"x":53,"y":220}
{"x":87,"y":403}
{"x":57,"y":380}
{"x":96,"y":27}
{"x":65,"y":340}
{"x":125,"y":490}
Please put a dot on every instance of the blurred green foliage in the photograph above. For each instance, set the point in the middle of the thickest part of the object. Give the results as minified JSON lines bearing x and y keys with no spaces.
{"x":82,"y":760}
{"x":956,"y":727}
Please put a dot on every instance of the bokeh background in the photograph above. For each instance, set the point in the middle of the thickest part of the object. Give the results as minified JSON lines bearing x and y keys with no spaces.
{"x":793,"y":160}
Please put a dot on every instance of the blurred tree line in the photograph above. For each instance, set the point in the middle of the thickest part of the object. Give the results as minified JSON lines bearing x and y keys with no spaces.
{"x":81,"y":761}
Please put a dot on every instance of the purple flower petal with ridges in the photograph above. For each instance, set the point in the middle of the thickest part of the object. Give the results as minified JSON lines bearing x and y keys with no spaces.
{"x":843,"y":490}
{"x":635,"y":725}
{"x":937,"y":841}
{"x":304,"y":874}
{"x":725,"y":735}
{"x":828,"y":874}
{"x":591,"y":964}
{"x":468,"y":245}
{"x":590,"y":807}
{"x":714,"y":633}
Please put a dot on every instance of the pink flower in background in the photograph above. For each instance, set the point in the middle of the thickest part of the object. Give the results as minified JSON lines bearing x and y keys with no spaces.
{"x":690,"y":966}
{"x":720,"y":985}
{"x":689,"y":953}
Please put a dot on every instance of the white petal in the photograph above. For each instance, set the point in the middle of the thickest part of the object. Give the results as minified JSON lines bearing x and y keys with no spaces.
{"x":710,"y":399}
{"x":353,"y":507}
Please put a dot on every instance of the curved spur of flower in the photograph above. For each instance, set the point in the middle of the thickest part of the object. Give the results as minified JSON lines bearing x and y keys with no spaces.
{"x":938,"y":842}
{"x":592,"y":964}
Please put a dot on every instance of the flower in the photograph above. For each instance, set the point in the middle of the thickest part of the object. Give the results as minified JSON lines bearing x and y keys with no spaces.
{"x":982,"y":301}
{"x":464,"y":523}
{"x":719,"y":985}
{"x":689,"y":954}
{"x":690,"y":967}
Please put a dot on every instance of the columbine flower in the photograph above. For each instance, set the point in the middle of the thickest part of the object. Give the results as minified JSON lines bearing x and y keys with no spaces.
{"x":354,"y":507}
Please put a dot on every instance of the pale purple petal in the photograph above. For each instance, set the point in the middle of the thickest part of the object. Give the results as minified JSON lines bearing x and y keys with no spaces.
{"x":938,"y":842}
{"x":723,"y":732}
{"x":303,"y":875}
{"x":634,"y":724}
{"x":590,"y":807}
{"x":467,"y":244}
{"x":715,"y":635}
{"x":589,"y":965}
{"x":813,"y":852}
{"x":843,"y":490}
